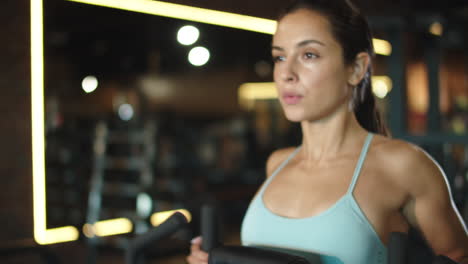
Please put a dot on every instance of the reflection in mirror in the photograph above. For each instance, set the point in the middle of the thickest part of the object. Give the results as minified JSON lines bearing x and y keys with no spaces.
{"x":133,"y":127}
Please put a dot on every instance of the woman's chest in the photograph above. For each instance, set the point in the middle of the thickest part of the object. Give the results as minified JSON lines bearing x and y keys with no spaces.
{"x":375,"y":193}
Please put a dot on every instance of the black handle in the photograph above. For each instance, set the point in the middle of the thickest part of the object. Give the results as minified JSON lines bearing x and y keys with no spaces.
{"x":172,"y":224}
{"x":397,"y":248}
{"x":443,"y":260}
{"x":251,"y":255}
{"x":209,"y":227}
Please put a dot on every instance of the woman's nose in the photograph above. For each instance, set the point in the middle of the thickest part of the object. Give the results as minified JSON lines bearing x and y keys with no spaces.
{"x":288,"y":73}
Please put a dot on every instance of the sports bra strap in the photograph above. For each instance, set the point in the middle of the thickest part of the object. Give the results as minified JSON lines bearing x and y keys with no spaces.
{"x":362,"y":158}
{"x":280,"y":167}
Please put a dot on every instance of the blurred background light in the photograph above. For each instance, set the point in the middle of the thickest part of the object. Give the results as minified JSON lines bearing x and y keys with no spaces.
{"x":382,"y":47}
{"x":125,"y":112}
{"x":458,"y":125}
{"x":144,"y":205}
{"x":436,"y":29}
{"x":263,"y":90}
{"x":88,"y":230}
{"x":381,"y":86}
{"x":187,"y":35}
{"x":263,"y":69}
{"x":89,"y":84}
{"x":248,"y":93}
{"x":199,"y":56}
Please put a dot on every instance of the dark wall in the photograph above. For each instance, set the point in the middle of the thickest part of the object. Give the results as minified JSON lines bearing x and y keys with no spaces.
{"x":15,"y":153}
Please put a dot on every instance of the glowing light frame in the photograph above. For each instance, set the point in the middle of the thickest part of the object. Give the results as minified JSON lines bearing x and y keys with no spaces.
{"x":42,"y":235}
{"x":108,"y":227}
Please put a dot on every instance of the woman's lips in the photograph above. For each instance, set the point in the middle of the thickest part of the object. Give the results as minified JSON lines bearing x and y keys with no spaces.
{"x":291,"y":99}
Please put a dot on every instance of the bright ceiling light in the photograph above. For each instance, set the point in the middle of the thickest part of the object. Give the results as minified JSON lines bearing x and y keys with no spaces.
{"x":187,"y":35}
{"x":199,"y":56}
{"x":89,"y":84}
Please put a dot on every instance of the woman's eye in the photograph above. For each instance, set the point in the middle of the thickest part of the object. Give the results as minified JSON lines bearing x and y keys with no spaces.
{"x":278,"y":58}
{"x":310,"y":55}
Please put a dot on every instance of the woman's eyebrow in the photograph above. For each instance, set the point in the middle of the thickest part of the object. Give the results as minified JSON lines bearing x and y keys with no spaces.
{"x":300,"y":44}
{"x":310,"y":41}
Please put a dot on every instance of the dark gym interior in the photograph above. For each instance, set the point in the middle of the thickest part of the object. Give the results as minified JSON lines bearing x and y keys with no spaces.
{"x":160,"y":134}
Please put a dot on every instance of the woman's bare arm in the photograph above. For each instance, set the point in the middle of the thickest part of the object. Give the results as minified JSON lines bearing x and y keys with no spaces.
{"x":430,"y":207}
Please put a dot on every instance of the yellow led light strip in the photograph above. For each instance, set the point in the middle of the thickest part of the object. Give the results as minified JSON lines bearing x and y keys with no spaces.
{"x":207,"y":16}
{"x":264,"y":90}
{"x":42,"y":235}
{"x":159,"y":217}
{"x":196,"y":14}
{"x":123,"y":225}
{"x":108,"y":227}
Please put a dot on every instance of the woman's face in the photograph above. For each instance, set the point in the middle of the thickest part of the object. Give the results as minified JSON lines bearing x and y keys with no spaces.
{"x":310,"y":74}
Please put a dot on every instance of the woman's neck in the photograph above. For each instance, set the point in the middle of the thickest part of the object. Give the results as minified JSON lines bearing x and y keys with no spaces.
{"x":325,"y":139}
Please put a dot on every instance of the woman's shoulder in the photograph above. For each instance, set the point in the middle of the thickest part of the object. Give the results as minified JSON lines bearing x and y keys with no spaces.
{"x":277,"y":157}
{"x":398,"y":150}
{"x":404,"y":160}
{"x":390,"y":146}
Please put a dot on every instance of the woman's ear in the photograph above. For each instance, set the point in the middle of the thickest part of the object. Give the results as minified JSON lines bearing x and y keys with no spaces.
{"x":358,"y":68}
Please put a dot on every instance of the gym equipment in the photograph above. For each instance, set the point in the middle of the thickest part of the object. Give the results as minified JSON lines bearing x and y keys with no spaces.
{"x":397,"y":248}
{"x":251,"y":255}
{"x":398,"y":252}
{"x":134,"y":253}
{"x":443,"y":260}
{"x":209,"y":227}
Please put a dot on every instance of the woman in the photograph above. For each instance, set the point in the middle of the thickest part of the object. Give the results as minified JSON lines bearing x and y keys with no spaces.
{"x":348,"y":186}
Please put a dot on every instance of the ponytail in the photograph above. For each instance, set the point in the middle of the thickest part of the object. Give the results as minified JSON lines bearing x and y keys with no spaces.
{"x":365,"y":109}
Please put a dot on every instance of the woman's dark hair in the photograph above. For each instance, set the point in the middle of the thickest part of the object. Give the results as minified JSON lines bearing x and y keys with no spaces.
{"x":351,"y":30}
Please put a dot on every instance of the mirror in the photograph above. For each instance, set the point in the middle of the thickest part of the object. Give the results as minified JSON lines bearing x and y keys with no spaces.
{"x":133,"y":128}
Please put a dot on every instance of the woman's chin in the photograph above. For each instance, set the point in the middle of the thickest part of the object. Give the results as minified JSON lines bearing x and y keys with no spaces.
{"x":294,"y":117}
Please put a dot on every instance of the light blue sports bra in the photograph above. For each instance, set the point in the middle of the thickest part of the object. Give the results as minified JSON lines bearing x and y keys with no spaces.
{"x":341,"y":234}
